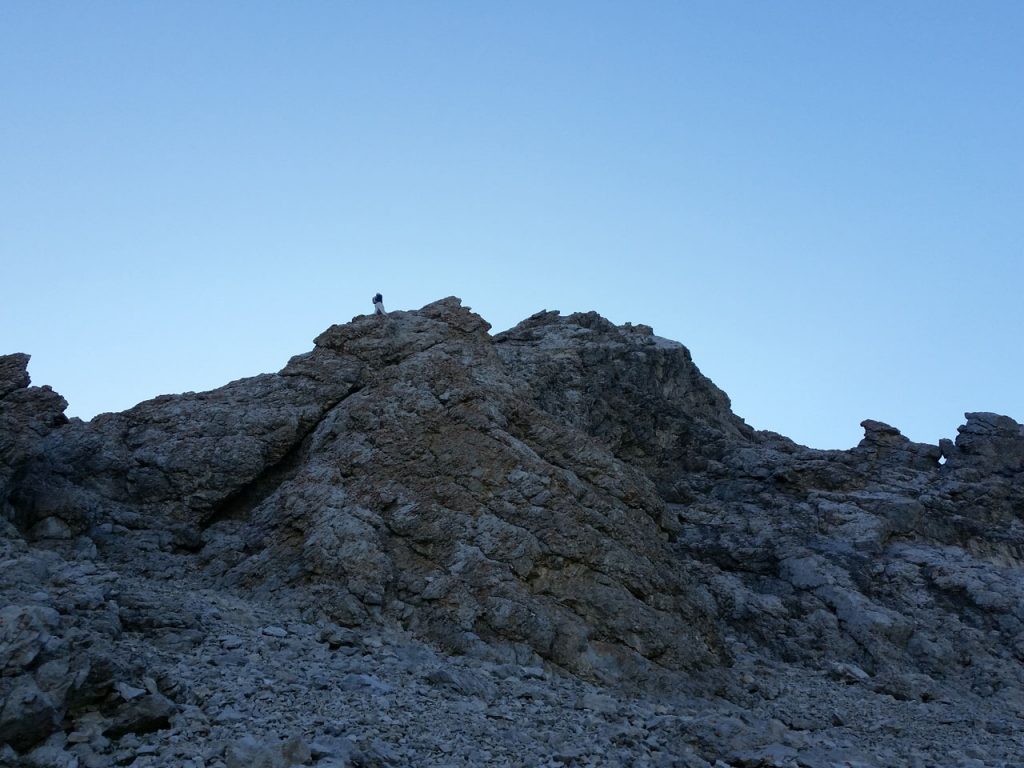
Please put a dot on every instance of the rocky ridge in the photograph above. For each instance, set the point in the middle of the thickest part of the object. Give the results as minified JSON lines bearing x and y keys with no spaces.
{"x":421,"y":544}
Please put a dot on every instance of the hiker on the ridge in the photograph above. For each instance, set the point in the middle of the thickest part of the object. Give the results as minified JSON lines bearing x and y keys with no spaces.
{"x":378,"y":305}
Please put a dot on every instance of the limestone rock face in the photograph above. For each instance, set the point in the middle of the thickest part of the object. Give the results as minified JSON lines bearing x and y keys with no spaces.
{"x":176,"y":461}
{"x":406,"y":468}
{"x":989,"y":442}
{"x":638,"y":395}
{"x":27,"y":416}
{"x":567,"y":495}
{"x":440,"y":493}
{"x":13,"y":373}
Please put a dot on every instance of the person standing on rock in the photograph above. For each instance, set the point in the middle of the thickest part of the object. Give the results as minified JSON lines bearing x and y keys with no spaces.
{"x":378,"y":305}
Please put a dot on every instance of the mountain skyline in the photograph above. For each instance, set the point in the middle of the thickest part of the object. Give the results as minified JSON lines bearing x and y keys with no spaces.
{"x":822,"y":203}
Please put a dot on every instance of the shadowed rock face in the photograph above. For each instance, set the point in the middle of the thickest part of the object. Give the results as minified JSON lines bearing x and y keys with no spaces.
{"x":440,"y":493}
{"x":568,"y":490}
{"x":27,"y":416}
{"x":406,"y":468}
{"x":636,"y":394}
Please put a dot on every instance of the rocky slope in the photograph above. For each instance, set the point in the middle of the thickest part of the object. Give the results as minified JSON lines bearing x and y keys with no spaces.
{"x":421,"y":544}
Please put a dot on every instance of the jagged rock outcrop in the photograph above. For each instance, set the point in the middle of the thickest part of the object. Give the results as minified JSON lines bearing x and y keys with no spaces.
{"x":637,"y":394}
{"x":440,"y":494}
{"x":172,"y":463}
{"x":27,"y":416}
{"x":400,"y":467}
{"x":568,"y":492}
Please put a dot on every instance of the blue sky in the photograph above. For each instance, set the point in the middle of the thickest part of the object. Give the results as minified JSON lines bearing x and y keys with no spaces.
{"x":824,"y":201}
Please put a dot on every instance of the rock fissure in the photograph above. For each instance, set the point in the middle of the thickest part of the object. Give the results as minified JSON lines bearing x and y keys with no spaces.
{"x":240,"y":503}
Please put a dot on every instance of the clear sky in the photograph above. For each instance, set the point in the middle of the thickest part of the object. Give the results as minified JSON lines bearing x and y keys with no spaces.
{"x":823,"y":200}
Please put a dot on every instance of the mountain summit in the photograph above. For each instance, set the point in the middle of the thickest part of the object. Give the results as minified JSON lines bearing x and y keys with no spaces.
{"x":568,"y":495}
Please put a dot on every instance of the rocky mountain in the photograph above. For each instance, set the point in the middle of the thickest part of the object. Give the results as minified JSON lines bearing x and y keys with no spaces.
{"x":423,"y":544}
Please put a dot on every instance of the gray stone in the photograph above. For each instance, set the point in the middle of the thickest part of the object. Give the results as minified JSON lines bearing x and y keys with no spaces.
{"x":25,"y":631}
{"x":229,"y":715}
{"x":129,"y":692}
{"x":144,"y":714}
{"x":51,"y":528}
{"x":372,"y":683}
{"x":462,"y":682}
{"x":332,"y":747}
{"x":248,"y":752}
{"x":295,"y":751}
{"x":28,"y":715}
{"x":337,"y":637}
{"x":50,"y":756}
